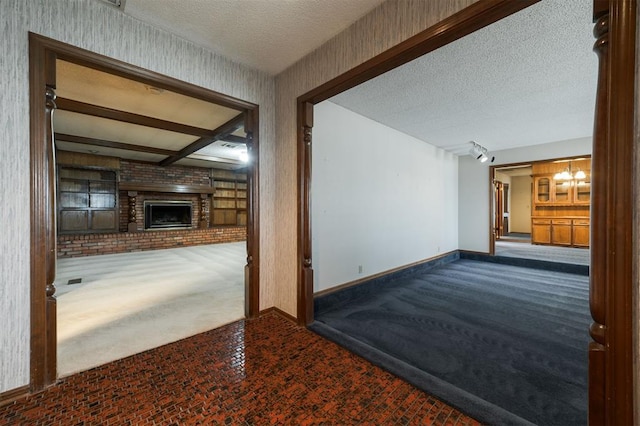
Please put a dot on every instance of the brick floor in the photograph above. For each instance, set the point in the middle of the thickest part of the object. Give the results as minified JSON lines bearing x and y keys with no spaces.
{"x":254,"y":372}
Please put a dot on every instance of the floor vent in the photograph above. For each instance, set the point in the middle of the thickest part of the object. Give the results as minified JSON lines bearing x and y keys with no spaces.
{"x":75,"y":281}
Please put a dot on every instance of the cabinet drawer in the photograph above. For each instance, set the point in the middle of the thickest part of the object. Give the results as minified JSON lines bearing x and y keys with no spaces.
{"x":561,"y":221}
{"x":583,"y":222}
{"x":541,"y":221}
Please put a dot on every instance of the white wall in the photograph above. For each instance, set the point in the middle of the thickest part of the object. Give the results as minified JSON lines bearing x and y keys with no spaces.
{"x":381,"y":199}
{"x":98,"y":27}
{"x":474,"y":188}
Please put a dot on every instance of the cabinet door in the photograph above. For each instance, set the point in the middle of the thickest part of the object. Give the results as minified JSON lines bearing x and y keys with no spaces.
{"x":540,"y":231}
{"x":581,"y":232}
{"x":542,"y":190}
{"x":582,"y":191}
{"x":561,"y":232}
{"x":562,"y":191}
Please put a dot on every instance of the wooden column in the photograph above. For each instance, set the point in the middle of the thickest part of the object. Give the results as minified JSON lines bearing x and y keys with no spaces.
{"x":305,"y":291}
{"x":252,"y":268}
{"x":611,"y":370}
{"x":50,"y":288}
{"x":204,"y":216}
{"x":133,"y":219}
{"x":597,"y":283}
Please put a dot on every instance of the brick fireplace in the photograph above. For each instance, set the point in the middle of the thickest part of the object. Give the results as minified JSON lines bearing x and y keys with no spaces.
{"x":143,"y":187}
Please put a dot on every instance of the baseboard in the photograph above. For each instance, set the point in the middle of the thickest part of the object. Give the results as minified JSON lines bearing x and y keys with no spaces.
{"x":9,"y":396}
{"x":346,"y":292}
{"x":280,"y":312}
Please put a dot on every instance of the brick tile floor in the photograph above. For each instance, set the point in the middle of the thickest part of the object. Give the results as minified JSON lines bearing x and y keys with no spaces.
{"x":266,"y":371}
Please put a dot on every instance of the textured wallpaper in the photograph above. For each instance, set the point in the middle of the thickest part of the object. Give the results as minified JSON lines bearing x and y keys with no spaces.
{"x":95,"y":26}
{"x":381,"y":29}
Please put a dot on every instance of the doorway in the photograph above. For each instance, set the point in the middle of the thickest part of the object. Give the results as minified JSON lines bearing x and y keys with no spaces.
{"x":44,"y":53}
{"x":610,"y":352}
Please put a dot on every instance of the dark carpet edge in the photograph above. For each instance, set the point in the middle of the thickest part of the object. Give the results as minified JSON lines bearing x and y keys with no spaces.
{"x":546,"y":265}
{"x":469,"y":404}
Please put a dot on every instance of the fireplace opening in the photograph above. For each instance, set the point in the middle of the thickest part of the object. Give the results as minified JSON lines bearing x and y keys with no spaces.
{"x":167,"y":214}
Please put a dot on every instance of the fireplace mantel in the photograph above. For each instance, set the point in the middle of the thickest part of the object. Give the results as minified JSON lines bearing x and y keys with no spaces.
{"x":133,"y":188}
{"x":154,"y":187}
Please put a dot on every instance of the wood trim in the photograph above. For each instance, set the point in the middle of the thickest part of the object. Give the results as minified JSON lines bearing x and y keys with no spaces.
{"x":460,"y":24}
{"x":129,"y":117}
{"x":159,"y":187}
{"x":305,"y":280}
{"x":42,"y":238}
{"x":611,"y":371}
{"x":43,"y":52}
{"x":252,"y":269}
{"x":221,"y":132}
{"x":278,"y":312}
{"x":9,"y":396}
{"x":234,"y":139}
{"x":112,"y":144}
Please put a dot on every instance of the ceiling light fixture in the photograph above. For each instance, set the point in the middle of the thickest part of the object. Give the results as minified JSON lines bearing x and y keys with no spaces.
{"x":567,"y":175}
{"x":243,"y":156}
{"x":479,"y":152}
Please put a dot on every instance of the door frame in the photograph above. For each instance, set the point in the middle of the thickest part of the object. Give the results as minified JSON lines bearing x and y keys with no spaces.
{"x":613,"y":274}
{"x":43,"y":53}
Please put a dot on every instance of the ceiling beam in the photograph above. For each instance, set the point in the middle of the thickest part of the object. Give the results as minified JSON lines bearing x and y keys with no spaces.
{"x":220,"y":133}
{"x":112,"y":144}
{"x":235,"y":139}
{"x":128,"y":117}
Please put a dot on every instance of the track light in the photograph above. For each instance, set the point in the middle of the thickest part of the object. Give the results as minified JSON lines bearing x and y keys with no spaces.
{"x":479,"y":152}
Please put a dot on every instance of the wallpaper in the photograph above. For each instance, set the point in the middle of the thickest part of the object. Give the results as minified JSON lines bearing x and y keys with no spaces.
{"x":381,"y":29}
{"x":98,"y":27}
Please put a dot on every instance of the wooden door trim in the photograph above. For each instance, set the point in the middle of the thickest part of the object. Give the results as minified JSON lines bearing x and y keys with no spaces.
{"x":43,"y":52}
{"x":613,"y":276}
{"x":612,"y":368}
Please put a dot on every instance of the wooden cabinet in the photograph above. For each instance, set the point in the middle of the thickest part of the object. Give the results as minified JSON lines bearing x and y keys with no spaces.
{"x":541,"y":231}
{"x":229,"y":202}
{"x":561,"y":232}
{"x":548,"y":191}
{"x":575,"y":188}
{"x":561,"y":201}
{"x":87,"y":200}
{"x":581,"y":232}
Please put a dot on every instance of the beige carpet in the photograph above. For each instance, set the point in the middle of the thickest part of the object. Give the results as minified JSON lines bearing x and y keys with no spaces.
{"x":128,"y":303}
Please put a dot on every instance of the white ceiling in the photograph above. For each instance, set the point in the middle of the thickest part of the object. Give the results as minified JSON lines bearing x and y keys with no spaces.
{"x":525,"y":80}
{"x":269,"y":35}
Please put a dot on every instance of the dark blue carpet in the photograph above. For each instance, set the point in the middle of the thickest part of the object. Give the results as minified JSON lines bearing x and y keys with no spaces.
{"x":505,"y":344}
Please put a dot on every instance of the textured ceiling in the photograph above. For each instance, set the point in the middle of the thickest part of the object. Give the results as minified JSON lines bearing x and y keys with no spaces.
{"x":269,"y":35}
{"x":525,"y":80}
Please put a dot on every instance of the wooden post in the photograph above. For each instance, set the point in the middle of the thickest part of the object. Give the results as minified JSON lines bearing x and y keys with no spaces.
{"x":133,"y":219}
